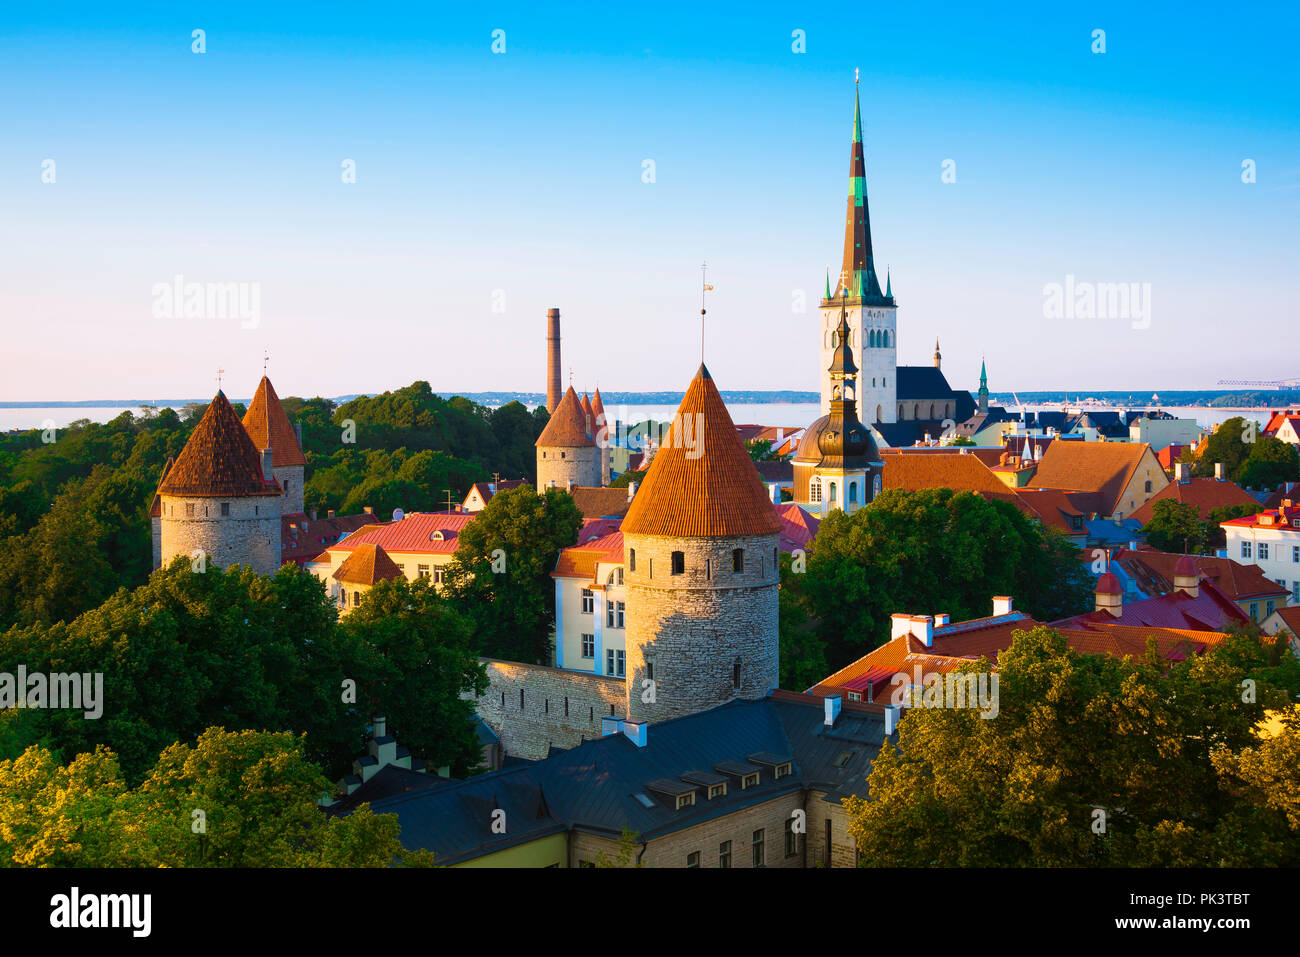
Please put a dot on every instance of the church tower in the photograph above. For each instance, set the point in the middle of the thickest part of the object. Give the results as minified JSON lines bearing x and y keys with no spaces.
{"x":984,"y":389}
{"x":700,"y":550}
{"x":219,"y":497}
{"x":566,"y":450}
{"x":269,"y":428}
{"x":872,"y":314}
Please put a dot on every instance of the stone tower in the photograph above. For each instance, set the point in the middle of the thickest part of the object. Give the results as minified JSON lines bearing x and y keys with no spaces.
{"x":566,"y":451}
{"x":269,"y":428}
{"x":603,"y":436}
{"x":872,"y":314}
{"x":218,"y":497}
{"x":552,"y":359}
{"x":700,"y":551}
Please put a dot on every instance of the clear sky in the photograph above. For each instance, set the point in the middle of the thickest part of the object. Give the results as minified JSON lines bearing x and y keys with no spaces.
{"x":516,"y":179}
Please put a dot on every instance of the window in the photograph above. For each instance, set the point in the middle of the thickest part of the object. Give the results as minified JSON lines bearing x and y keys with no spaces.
{"x":791,"y":838}
{"x":1295,"y":553}
{"x":588,"y":602}
{"x":693,"y":859}
{"x":225,"y":509}
{"x":356,"y":598}
{"x":815,"y":491}
{"x":650,"y":669}
{"x":344,"y":597}
{"x":1295,"y":592}
{"x":853,"y":492}
{"x":776,"y":562}
{"x":875,"y":486}
{"x":439,"y":576}
{"x":737,"y":560}
{"x":686,"y":800}
{"x":832,"y":495}
{"x":783,"y":770}
{"x":189,"y":509}
{"x":421,"y":571}
{"x":749,"y":781}
{"x":1148,"y":486}
{"x":717,"y":791}
{"x":1268,"y":607}
{"x":735,"y":673}
{"x":679,"y":563}
{"x":1245,"y":549}
{"x":631,"y":559}
{"x":614,"y":662}
{"x":615,"y":577}
{"x":1263,"y":551}
{"x":758,"y":847}
{"x":1254,"y":611}
{"x":724,"y":855}
{"x":855,"y":696}
{"x":588,"y":646}
{"x":619,"y":609}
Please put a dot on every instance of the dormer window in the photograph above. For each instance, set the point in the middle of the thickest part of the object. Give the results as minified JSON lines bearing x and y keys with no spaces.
{"x":782,"y":770}
{"x":749,"y":781}
{"x":717,"y":791}
{"x":685,"y":800}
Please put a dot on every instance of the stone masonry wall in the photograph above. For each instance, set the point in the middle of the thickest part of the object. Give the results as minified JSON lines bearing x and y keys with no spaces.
{"x":580,"y":466}
{"x":290,"y":478}
{"x":249,"y":535}
{"x":558,"y":708}
{"x":691,"y":629}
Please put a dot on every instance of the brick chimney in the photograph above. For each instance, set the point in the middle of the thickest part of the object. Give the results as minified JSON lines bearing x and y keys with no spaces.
{"x":553,"y":387}
{"x":1002,"y":605}
{"x":1182,"y":473}
{"x":631,"y":490}
{"x":1218,"y":472}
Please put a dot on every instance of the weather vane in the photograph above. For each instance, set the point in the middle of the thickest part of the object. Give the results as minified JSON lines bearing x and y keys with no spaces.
{"x":220,"y":373}
{"x":855,"y":76}
{"x":704,"y":287}
{"x":266,"y":357}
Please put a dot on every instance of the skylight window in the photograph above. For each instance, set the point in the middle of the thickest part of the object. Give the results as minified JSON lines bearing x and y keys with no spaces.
{"x":644,"y":798}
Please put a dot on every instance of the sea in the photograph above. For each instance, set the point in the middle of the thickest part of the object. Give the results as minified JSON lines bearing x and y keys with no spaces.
{"x":789,"y":415}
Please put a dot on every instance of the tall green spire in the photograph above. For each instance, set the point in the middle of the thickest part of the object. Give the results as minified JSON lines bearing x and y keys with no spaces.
{"x":889,"y":285}
{"x":984,"y":388}
{"x":859,"y":271}
{"x":828,"y":282}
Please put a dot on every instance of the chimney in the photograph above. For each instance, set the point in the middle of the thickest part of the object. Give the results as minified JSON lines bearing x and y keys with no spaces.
{"x":381,"y":725}
{"x":610,"y":725}
{"x":297,"y":431}
{"x":313,"y":514}
{"x":941,"y":621}
{"x":631,"y":490}
{"x":329,"y":513}
{"x":780,"y":435}
{"x":1218,"y":471}
{"x":635,"y":731}
{"x":266,"y":465}
{"x":923,"y":629}
{"x":1002,"y":605}
{"x":553,"y":387}
{"x":832,"y":704}
{"x":774,"y":493}
{"x":900,"y":625}
{"x":1181,"y":475}
{"x":892,"y":713}
{"x":368,"y":509}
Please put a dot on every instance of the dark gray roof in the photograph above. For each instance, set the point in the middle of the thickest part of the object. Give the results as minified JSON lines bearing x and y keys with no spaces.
{"x":921,"y":382}
{"x":594,"y":786}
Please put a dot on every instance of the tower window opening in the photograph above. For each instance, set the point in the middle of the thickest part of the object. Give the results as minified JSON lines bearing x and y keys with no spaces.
{"x":631,"y":559}
{"x":679,"y":563}
{"x":735,"y":673}
{"x":737,"y":560}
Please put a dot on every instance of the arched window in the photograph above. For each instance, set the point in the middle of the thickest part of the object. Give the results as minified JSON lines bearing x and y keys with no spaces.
{"x":916,"y":410}
{"x":615,"y":577}
{"x":853,"y":492}
{"x":871,"y":339}
{"x":356,"y":598}
{"x":815,"y":490}
{"x":875,"y":486}
{"x":880,"y":413}
{"x":901,"y":417}
{"x":832,"y":495}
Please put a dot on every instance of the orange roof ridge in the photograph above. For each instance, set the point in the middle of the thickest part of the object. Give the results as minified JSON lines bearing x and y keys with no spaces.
{"x":219,"y":460}
{"x":568,"y":425}
{"x":702,"y":482}
{"x":269,"y":427}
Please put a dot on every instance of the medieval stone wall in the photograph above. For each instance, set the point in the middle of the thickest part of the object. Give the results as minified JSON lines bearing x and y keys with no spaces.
{"x":581,"y":466}
{"x":533,"y":708}
{"x":248,"y":535}
{"x":290,"y":479}
{"x":704,"y":636}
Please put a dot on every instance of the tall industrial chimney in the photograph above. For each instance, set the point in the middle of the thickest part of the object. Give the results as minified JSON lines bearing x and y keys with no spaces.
{"x":553,"y":391}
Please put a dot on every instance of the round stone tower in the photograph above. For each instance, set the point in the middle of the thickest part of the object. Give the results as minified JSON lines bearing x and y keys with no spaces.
{"x":566,"y":449}
{"x":700,"y":552}
{"x":215,"y":498}
{"x":269,"y":428}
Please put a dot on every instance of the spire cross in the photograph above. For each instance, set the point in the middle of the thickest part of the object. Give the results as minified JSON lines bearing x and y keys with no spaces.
{"x":855,"y":76}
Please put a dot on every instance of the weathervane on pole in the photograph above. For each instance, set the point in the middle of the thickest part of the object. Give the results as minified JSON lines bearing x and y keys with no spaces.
{"x":704,"y":287}
{"x":220,"y":373}
{"x":266,"y":357}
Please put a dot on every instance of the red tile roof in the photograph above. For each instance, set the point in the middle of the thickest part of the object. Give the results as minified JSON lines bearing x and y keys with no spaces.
{"x":710,"y":489}
{"x":1205,"y":494}
{"x":1285,"y":516}
{"x":567,"y":427}
{"x":269,"y":427}
{"x":798,"y":527}
{"x":597,"y":502}
{"x":1168,"y":456}
{"x":366,"y":565}
{"x":431,"y":532}
{"x":961,"y":473}
{"x":1210,"y":610}
{"x":303,"y":539}
{"x":580,"y":561}
{"x":1291,"y":618}
{"x":1154,"y":573}
{"x":219,"y":460}
{"x":1102,"y":467}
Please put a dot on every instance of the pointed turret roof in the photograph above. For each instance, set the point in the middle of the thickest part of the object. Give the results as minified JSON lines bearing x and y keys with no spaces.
{"x":269,"y":427}
{"x":709,"y":488}
{"x":219,"y":460}
{"x":568,"y":427}
{"x":598,"y":409}
{"x":368,"y":564}
{"x":589,"y":415}
{"x":858,"y":273}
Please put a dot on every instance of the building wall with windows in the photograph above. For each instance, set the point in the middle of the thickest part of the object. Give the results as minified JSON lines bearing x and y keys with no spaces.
{"x":591,"y":620}
{"x":1274,"y":548}
{"x":229,"y":531}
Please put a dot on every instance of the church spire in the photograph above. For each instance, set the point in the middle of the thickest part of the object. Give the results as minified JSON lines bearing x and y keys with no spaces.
{"x":984,"y":389}
{"x":859,"y":268}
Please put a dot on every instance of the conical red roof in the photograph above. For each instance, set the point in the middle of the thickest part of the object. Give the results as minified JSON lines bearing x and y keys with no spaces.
{"x":568,"y":425}
{"x":597,"y":408}
{"x":269,"y":427}
{"x":709,"y":489}
{"x":219,"y":460}
{"x":588,"y":415}
{"x":368,"y":564}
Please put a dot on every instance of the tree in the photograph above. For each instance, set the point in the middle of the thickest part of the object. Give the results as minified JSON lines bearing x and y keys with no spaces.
{"x":1270,"y":463}
{"x":930,"y":551}
{"x":1091,"y":760}
{"x":628,"y":853}
{"x":242,"y":799}
{"x":1175,"y":527}
{"x":1230,"y":443}
{"x":500,"y":575}
{"x":1214,"y":534}
{"x":760,"y":450}
{"x":802,"y":651}
{"x":422,"y":671}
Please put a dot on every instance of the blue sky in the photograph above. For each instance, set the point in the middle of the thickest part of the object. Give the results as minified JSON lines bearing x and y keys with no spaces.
{"x":516,"y":179}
